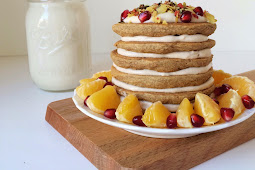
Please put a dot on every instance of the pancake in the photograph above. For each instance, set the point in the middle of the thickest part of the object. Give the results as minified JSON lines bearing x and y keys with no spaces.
{"x":165,"y":98}
{"x":158,"y":64}
{"x":159,"y":30}
{"x":164,"y":47}
{"x":162,"y":82}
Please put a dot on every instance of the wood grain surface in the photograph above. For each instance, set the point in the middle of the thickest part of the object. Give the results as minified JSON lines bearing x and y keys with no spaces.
{"x":112,"y":148}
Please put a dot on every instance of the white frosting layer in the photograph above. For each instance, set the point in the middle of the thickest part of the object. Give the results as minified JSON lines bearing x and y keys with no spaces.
{"x":169,"y":38}
{"x":180,"y":55}
{"x":146,"y":104}
{"x":168,"y":17}
{"x":188,"y":71}
{"x":123,"y":85}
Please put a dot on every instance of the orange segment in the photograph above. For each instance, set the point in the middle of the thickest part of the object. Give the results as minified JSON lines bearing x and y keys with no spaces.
{"x":89,"y":88}
{"x":85,"y":81}
{"x":107,"y":74}
{"x":107,"y":98}
{"x":183,"y":114}
{"x":232,"y":100}
{"x":128,"y":109}
{"x":207,"y":108}
{"x":156,"y":115}
{"x":242,"y":85}
{"x":220,"y":75}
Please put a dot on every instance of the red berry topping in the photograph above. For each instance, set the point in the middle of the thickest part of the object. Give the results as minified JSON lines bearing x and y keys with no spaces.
{"x":108,"y":84}
{"x":216,"y":101}
{"x":103,"y":78}
{"x":124,"y":15}
{"x":194,"y":15}
{"x":186,"y":16}
{"x":110,"y":113}
{"x":197,"y":121}
{"x":248,"y":102}
{"x":199,"y":11}
{"x":222,"y":90}
{"x":180,"y":5}
{"x":85,"y":101}
{"x":171,"y":121}
{"x":144,"y":16}
{"x":227,"y":114}
{"x":138,"y":121}
{"x":218,"y":91}
{"x":225,"y":88}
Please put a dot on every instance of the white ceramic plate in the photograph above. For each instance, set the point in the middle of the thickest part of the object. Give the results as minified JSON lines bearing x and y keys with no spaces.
{"x":155,"y":132}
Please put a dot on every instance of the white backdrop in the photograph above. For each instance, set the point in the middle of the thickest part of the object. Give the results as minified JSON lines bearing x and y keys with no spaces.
{"x":235,"y":23}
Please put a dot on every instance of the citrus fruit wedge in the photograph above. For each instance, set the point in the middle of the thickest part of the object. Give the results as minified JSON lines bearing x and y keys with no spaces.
{"x":207,"y":108}
{"x":106,"y":74}
{"x":89,"y":88}
{"x":85,"y":81}
{"x":232,"y":100}
{"x":156,"y":115}
{"x":220,"y":75}
{"x":107,"y":98}
{"x":183,"y":114}
{"x":242,"y":85}
{"x":128,"y":109}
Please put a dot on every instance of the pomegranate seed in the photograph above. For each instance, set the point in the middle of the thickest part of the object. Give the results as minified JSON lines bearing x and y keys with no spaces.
{"x":138,"y":121}
{"x":194,"y":15}
{"x":144,"y":16}
{"x":197,"y":121}
{"x":218,"y":91}
{"x":171,"y":121}
{"x":108,"y":84}
{"x":110,"y":113}
{"x":227,"y":114}
{"x":85,"y":101}
{"x":222,"y":90}
{"x":124,"y":15}
{"x":103,"y":78}
{"x":216,"y":101}
{"x":186,"y":16}
{"x":199,"y":11}
{"x":225,"y":88}
{"x":180,"y":5}
{"x":248,"y":102}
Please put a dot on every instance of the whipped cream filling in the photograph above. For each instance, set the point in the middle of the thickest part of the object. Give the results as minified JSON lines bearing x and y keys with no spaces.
{"x":146,"y":104}
{"x":187,"y":71}
{"x":179,"y":55}
{"x":169,"y":38}
{"x":126,"y":86}
{"x":168,"y":17}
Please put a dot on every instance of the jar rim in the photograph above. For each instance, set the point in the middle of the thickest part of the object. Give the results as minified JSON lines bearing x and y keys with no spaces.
{"x":56,"y":0}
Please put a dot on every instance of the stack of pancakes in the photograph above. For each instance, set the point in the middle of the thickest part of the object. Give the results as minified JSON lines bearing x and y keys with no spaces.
{"x":158,"y":62}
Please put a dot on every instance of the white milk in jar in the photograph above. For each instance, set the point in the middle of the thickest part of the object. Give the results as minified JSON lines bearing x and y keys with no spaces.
{"x":58,"y":43}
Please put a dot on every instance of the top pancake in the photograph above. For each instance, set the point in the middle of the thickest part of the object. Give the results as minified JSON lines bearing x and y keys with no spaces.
{"x":159,"y":30}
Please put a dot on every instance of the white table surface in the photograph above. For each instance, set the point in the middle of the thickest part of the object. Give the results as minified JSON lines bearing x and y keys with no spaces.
{"x":27,"y":141}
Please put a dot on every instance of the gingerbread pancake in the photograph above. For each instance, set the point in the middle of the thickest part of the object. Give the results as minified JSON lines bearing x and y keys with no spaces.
{"x":162,"y":82}
{"x":158,"y":64}
{"x":159,"y":30}
{"x":164,"y":47}
{"x":165,"y":98}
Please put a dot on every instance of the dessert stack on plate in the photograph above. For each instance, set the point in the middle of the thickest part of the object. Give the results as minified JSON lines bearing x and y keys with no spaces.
{"x":164,"y":53}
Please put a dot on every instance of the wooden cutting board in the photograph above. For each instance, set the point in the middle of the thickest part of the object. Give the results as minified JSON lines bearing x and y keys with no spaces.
{"x":112,"y":148}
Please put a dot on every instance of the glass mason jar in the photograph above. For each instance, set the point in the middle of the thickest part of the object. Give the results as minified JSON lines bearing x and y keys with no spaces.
{"x":58,"y":43}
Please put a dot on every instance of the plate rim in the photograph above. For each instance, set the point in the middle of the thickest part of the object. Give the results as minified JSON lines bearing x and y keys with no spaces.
{"x":182,"y":131}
